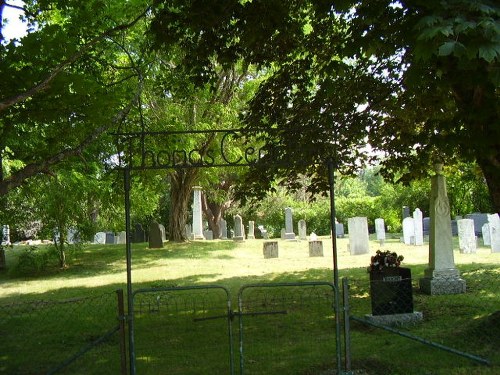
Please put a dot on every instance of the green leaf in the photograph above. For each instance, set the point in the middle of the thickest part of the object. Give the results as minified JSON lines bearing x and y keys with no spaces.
{"x":447,"y":48}
{"x":489,"y":52}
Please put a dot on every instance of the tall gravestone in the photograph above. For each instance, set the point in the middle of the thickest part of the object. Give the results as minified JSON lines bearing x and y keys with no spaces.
{"x":197,"y":214}
{"x":251,"y":230}
{"x":418,"y":226}
{"x":494,"y":224}
{"x":155,"y":240}
{"x":441,"y":276}
{"x":239,"y":230}
{"x":466,"y":236}
{"x":289,"y":233}
{"x":302,"y":229}
{"x":380,"y":230}
{"x":409,"y":231}
{"x":358,"y":235}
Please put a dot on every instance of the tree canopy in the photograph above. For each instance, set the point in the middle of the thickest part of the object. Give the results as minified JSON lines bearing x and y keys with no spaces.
{"x":417,"y":80}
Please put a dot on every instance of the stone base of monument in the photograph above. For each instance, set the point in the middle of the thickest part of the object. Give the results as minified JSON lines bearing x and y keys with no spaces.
{"x":442,"y":281}
{"x":438,"y":286}
{"x":270,"y":249}
{"x":393,"y":320}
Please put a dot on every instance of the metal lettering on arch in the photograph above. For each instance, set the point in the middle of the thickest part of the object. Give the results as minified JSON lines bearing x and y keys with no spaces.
{"x":163,"y":150}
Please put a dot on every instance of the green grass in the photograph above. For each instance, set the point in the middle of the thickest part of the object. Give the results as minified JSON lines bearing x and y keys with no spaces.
{"x":174,"y":340}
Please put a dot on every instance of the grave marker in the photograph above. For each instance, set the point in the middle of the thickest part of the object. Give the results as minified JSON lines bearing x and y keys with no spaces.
{"x":358,"y":235}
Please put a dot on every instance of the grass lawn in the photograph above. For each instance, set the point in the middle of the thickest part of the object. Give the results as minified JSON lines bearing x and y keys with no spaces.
{"x":465,"y":321}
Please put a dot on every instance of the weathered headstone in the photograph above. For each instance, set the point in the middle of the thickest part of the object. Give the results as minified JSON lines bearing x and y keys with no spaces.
{"x":239,"y":230}
{"x":418,"y":225}
{"x":479,"y":220}
{"x":155,"y":240}
{"x":441,"y":276}
{"x":251,"y":230}
{"x":283,"y":231}
{"x":466,"y":236}
{"x":188,"y":231}
{"x":72,"y":236}
{"x":100,"y":238}
{"x":270,"y":249}
{"x":380,"y":230}
{"x":197,"y":214}
{"x":486,"y":234}
{"x":454,"y":227}
{"x":208,"y":234}
{"x":110,"y":238}
{"x":315,"y":248}
{"x":263,"y":232}
{"x":302,"y":229}
{"x":163,"y":233}
{"x":139,"y":234}
{"x":223,"y":229}
{"x":289,"y":233}
{"x":121,"y":238}
{"x":339,"y":229}
{"x":426,"y":225}
{"x":409,"y":231}
{"x":358,"y":235}
{"x":494,"y":224}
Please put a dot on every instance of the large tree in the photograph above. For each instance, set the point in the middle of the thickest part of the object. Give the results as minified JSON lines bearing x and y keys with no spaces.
{"x":418,"y":80}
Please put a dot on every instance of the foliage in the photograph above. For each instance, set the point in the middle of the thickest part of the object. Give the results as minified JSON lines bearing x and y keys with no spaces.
{"x":384,"y":259}
{"x":417,"y":80}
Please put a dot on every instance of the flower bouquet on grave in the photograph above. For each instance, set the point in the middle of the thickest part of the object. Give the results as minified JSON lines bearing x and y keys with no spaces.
{"x":383,"y":260}
{"x":390,"y":284}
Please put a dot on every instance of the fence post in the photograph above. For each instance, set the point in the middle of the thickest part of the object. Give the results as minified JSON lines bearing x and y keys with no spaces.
{"x":122,"y":335}
{"x":347,"y":327}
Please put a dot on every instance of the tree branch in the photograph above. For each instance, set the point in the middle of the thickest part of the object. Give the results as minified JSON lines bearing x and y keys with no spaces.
{"x":19,"y":177}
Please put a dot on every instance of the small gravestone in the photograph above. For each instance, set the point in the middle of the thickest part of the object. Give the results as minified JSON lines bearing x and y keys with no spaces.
{"x":316,"y":248}
{"x":251,"y":230}
{"x":454,"y":227}
{"x":223,"y":229}
{"x":358,"y":235}
{"x":100,"y":238}
{"x":405,"y":212}
{"x":270,"y":249}
{"x":263,"y":232}
{"x":418,"y":227}
{"x":494,"y":224}
{"x":283,"y":231}
{"x":163,"y":233}
{"x":72,"y":236}
{"x":289,"y":234}
{"x":239,"y":233}
{"x":466,"y":236}
{"x":302,"y":229}
{"x":155,"y":240}
{"x":380,"y":230}
{"x":486,"y":234}
{"x":426,"y":224}
{"x":139,"y":234}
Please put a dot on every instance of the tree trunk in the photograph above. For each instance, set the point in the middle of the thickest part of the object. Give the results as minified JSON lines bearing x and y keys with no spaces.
{"x":180,"y":194}
{"x":60,"y":246}
{"x":213,"y":213}
{"x":491,"y":172}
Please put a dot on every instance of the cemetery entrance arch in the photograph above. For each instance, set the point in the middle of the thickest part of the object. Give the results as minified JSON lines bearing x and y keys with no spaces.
{"x":165,"y":150}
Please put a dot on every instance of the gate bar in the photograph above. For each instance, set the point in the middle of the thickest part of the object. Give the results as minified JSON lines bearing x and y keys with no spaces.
{"x":424,"y":341}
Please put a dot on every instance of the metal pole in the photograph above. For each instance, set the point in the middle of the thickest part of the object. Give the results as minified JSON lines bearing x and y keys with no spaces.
{"x":122,"y":338}
{"x":347,"y":325}
{"x":335,"y":265}
{"x":130,"y":303}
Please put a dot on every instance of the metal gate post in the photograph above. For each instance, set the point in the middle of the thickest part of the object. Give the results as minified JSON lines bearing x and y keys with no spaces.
{"x":335,"y":265}
{"x":130,"y":303}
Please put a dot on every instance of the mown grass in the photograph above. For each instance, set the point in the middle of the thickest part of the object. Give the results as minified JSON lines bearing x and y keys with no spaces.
{"x":468,"y":322}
